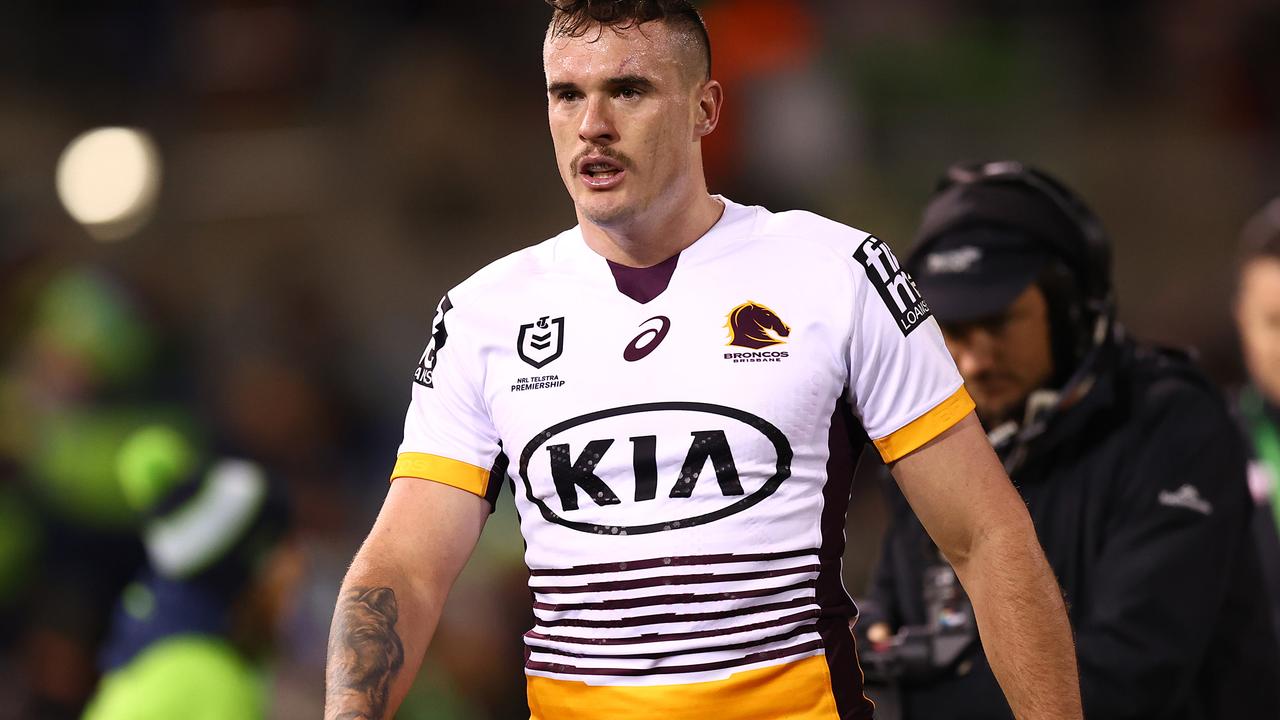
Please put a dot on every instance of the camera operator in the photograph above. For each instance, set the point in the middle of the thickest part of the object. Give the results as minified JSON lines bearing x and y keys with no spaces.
{"x":1126,"y":456}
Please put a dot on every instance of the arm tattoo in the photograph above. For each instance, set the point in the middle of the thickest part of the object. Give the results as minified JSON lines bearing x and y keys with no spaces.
{"x":365,"y":653}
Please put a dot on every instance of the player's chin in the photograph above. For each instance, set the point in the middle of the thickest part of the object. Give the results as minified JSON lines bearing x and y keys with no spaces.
{"x":606,"y":210}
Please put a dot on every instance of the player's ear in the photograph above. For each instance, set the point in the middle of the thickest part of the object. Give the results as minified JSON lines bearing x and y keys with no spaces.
{"x":710,"y":99}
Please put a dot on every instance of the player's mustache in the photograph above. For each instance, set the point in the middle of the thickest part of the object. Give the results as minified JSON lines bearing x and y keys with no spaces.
{"x":607,"y":152}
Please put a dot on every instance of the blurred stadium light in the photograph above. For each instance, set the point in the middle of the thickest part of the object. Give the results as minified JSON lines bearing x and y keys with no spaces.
{"x":108,"y":180}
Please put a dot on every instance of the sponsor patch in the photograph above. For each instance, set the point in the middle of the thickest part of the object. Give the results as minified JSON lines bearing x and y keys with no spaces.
{"x":896,"y":288}
{"x":653,"y":467}
{"x":426,"y":369}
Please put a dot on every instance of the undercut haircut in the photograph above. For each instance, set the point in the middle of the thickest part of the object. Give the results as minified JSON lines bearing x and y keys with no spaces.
{"x":575,"y":18}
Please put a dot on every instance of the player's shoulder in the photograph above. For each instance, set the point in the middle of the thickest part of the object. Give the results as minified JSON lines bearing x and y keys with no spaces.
{"x":514,"y":273}
{"x":838,"y":255}
{"x":819,"y":241}
{"x":808,"y":232}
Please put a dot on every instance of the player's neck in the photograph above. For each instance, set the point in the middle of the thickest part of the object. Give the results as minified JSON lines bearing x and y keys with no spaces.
{"x":647,"y":241}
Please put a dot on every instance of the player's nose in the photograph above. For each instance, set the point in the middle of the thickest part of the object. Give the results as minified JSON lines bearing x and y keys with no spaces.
{"x":598,"y":125}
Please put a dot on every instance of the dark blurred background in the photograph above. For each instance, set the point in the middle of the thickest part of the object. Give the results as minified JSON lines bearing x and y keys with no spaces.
{"x":259,"y":263}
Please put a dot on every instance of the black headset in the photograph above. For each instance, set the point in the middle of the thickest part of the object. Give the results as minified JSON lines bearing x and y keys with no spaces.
{"x":1086,"y":253}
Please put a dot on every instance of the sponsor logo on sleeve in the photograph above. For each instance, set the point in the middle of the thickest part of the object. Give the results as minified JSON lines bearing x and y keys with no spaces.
{"x":541,"y":342}
{"x":896,"y":288}
{"x":425,"y":373}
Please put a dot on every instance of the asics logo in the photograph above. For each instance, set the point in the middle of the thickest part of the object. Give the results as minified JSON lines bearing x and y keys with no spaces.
{"x":648,"y":339}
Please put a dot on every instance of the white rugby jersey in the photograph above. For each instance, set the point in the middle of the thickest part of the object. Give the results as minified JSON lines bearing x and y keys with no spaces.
{"x":678,"y":440}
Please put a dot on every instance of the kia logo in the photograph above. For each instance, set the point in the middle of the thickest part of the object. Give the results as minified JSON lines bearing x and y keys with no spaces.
{"x":605,"y":474}
{"x":647,"y":340}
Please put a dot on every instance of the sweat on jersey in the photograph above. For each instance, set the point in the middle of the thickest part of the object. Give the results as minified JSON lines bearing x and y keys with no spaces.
{"x":673,"y":438}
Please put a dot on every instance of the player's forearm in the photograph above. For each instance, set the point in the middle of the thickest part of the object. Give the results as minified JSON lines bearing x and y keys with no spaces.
{"x":381,"y":628}
{"x":1023,"y":623}
{"x":393,"y":594}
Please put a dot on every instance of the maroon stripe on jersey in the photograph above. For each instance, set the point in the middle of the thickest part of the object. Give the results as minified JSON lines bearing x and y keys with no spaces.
{"x":538,"y":648}
{"x":845,"y":442}
{"x":836,"y":492}
{"x":846,"y":674}
{"x":628,"y":603}
{"x":700,"y":667}
{"x":612,"y":567}
{"x":497,"y":474}
{"x":698,"y":579}
{"x":666,"y":637}
{"x":786,"y":636}
{"x":644,"y":284}
{"x":641,"y":620}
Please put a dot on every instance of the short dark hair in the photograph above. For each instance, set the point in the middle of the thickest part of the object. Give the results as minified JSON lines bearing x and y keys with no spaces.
{"x":574,"y":18}
{"x":1261,"y":235}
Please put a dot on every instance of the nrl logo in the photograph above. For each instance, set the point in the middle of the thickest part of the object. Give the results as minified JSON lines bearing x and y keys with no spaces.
{"x":541,"y":342}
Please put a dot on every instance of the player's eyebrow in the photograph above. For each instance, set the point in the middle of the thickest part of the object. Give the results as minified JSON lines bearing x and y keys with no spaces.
{"x":558,"y":87}
{"x":638,"y":81}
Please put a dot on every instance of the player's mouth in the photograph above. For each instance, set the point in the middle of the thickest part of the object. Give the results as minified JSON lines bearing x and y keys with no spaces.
{"x":600,"y":173}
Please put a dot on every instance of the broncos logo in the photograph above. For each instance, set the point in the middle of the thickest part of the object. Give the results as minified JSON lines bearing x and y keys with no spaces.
{"x":752,"y":325}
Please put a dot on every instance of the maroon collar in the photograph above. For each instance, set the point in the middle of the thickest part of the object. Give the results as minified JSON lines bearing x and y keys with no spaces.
{"x":643,"y":284}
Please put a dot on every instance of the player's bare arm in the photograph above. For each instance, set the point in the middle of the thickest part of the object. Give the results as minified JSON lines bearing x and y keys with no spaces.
{"x":392,"y":596}
{"x":961,"y":494}
{"x":365,"y":651}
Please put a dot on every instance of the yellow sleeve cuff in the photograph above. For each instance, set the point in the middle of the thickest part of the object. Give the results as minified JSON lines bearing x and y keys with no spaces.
{"x":928,"y":426}
{"x":448,"y":471}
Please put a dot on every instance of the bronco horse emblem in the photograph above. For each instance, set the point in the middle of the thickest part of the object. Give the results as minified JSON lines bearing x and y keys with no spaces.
{"x":752,"y":325}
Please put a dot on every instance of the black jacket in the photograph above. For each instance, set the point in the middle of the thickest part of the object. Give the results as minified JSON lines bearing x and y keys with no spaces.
{"x":1254,"y":413}
{"x":1138,"y":495}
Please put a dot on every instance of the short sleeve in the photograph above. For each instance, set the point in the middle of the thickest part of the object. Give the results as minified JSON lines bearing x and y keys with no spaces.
{"x":903,"y":383}
{"x":449,"y":437}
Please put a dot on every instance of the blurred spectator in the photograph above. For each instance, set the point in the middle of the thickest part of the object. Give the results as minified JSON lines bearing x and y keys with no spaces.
{"x":190,"y":632}
{"x":1125,"y":455}
{"x":87,"y":371}
{"x":1258,"y":319}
